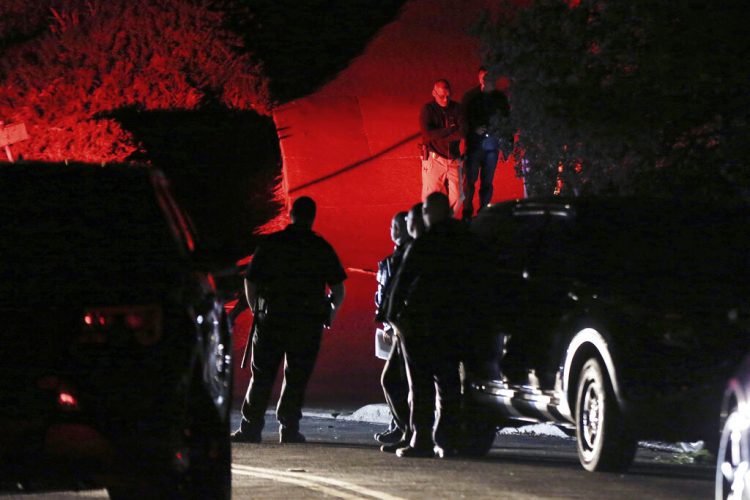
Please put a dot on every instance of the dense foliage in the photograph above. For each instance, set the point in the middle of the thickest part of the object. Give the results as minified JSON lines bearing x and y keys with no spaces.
{"x":67,"y":65}
{"x":628,"y":96}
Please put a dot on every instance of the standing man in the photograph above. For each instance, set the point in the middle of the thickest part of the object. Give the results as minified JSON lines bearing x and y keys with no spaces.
{"x":428,"y":305}
{"x":285,"y":285}
{"x":484,"y":142}
{"x":393,"y":379}
{"x":440,"y":123}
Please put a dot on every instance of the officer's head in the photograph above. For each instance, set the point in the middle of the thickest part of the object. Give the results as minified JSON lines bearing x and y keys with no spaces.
{"x":399,"y":231}
{"x":436,"y":209}
{"x":414,"y":221}
{"x":441,"y":92}
{"x":486,"y":81}
{"x":303,"y":211}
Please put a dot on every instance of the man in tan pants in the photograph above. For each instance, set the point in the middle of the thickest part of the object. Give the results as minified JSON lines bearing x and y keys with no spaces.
{"x":439,"y":122}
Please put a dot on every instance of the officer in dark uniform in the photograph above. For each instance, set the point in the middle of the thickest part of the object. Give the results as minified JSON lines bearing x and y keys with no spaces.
{"x":393,"y":379}
{"x":430,"y":304}
{"x":285,"y":285}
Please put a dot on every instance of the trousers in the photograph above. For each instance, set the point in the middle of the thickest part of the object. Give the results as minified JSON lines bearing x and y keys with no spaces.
{"x":481,"y":162}
{"x":432,"y":367}
{"x":445,"y":176}
{"x":296,"y":341}
{"x":396,"y":386}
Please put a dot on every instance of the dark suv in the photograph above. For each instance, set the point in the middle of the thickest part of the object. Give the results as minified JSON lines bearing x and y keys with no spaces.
{"x":116,"y":359}
{"x":617,"y":319}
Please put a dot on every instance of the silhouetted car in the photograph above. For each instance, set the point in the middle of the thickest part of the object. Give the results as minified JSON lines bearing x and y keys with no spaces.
{"x":116,"y":357}
{"x":614,"y":318}
{"x":733,"y":456}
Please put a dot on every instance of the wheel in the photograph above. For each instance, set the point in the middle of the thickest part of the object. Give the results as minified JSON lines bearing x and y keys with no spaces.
{"x":195,"y":460}
{"x":732,"y":474}
{"x":477,"y":433}
{"x":218,"y":365}
{"x":604,"y":441}
{"x":208,"y":471}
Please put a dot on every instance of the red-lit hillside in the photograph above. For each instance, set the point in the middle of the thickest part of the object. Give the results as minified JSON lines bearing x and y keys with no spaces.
{"x":67,"y":65}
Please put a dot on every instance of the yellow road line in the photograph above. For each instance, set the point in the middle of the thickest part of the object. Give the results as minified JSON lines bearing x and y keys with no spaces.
{"x":313,"y":482}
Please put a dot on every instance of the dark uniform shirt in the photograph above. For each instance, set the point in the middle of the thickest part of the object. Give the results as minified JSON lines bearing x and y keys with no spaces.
{"x":440,"y":127}
{"x":433,"y":284}
{"x":291,"y":269}
{"x":387,"y":269}
{"x":478,"y":110}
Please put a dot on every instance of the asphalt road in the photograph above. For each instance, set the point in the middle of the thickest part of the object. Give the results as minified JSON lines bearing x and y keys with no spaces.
{"x":341,"y":460}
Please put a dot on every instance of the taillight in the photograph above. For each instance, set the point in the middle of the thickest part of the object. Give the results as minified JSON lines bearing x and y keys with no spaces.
{"x":120,"y":325}
{"x":67,"y":399}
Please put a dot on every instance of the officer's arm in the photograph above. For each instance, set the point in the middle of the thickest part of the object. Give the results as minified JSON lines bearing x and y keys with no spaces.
{"x":251,"y":294}
{"x":338,"y":292}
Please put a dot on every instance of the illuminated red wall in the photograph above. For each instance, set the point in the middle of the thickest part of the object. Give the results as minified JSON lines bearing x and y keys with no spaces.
{"x":352,"y":147}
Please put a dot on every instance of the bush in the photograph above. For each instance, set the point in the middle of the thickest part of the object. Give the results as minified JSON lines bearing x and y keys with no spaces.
{"x":635,"y":96}
{"x":95,"y":57}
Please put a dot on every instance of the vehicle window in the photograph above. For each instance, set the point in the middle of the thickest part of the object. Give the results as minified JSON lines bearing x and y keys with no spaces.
{"x":662,"y":250}
{"x":556,"y":255}
{"x":93,"y":230}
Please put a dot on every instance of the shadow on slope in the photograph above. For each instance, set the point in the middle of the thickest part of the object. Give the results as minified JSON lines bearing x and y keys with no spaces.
{"x":305,"y":44}
{"x":223,"y":165}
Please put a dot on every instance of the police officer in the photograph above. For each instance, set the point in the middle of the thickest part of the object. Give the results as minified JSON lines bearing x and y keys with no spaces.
{"x":393,"y":379}
{"x":482,"y":107}
{"x":285,"y":285}
{"x":428,"y":305}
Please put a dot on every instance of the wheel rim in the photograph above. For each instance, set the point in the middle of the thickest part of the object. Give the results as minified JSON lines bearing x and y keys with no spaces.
{"x":219,"y":366}
{"x":733,"y":469}
{"x":591,"y":417}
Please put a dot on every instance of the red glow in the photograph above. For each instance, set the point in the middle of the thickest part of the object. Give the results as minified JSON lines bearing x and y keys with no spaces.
{"x":144,"y":322}
{"x":134,"y":321}
{"x":66,"y":399}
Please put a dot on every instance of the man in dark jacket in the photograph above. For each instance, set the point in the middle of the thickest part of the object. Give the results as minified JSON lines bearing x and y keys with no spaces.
{"x":285,"y":285}
{"x":429,"y":304}
{"x":440,"y":123}
{"x":393,"y":379}
{"x":484,"y":111}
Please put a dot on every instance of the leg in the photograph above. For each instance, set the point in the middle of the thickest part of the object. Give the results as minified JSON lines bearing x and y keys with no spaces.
{"x":266,"y":357}
{"x":433,"y":175}
{"x":486,"y":178}
{"x":396,"y":386}
{"x":448,"y":383}
{"x":301,"y":354}
{"x":471,"y":173}
{"x":421,"y":392}
{"x":453,"y":178}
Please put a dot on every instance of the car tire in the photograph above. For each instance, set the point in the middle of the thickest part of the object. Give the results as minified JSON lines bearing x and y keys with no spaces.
{"x":732,"y":457}
{"x":604,"y":441}
{"x":209,"y":473}
{"x":477,"y":433}
{"x":199,"y":465}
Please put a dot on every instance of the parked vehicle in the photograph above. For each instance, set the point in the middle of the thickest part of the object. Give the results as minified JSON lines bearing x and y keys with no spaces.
{"x":615,"y":319}
{"x":116,"y":364}
{"x":733,"y":456}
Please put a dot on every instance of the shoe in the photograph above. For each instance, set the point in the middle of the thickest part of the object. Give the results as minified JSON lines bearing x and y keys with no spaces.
{"x":441,"y":452}
{"x":391,"y":448}
{"x":240,"y":436}
{"x":390,"y":436}
{"x":291,"y":437}
{"x":410,"y":452}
